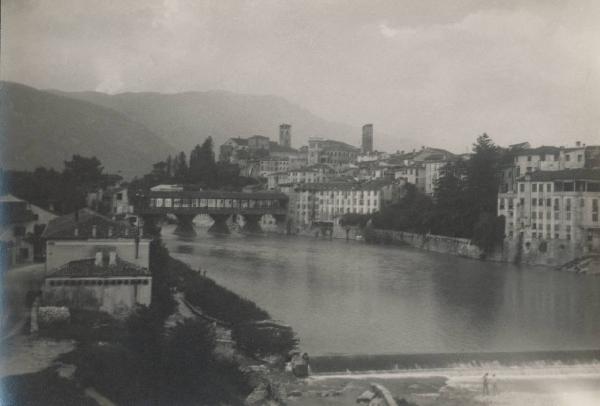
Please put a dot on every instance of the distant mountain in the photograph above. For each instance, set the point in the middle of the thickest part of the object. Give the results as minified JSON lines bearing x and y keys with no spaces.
{"x":186,"y":119}
{"x":39,"y":128}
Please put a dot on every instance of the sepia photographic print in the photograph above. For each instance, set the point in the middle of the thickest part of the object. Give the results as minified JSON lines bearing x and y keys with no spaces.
{"x":304,"y":203}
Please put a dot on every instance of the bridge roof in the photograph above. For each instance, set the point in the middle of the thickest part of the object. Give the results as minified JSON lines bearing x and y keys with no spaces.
{"x":220,"y":194}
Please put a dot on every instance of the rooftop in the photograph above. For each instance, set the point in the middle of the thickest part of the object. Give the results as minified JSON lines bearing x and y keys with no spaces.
{"x":84,"y":220}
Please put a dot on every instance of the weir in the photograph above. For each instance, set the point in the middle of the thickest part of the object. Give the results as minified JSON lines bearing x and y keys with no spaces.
{"x":391,"y":362}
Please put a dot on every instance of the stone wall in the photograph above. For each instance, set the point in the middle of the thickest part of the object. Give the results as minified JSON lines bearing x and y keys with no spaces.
{"x":542,"y":252}
{"x":437,"y":243}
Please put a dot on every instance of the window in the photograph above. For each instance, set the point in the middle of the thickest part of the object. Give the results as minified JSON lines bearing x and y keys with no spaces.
{"x":521,"y":187}
{"x":568,"y":204}
{"x":529,"y":169}
{"x":548,"y":202}
{"x":556,"y":204}
{"x":534,"y":235}
{"x":502,"y":204}
{"x":529,"y":158}
{"x":567,"y":157}
{"x":579,"y":158}
{"x":534,"y":187}
{"x":548,"y":187}
{"x":534,"y":202}
{"x":568,"y":216}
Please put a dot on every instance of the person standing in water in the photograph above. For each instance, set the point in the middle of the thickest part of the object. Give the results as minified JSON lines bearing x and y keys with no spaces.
{"x":486,"y":387}
{"x":494,"y":384}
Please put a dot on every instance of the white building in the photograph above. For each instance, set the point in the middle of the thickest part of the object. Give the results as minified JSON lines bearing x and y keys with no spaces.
{"x":554,"y":205}
{"x":81,"y":234}
{"x":104,"y":282}
{"x":329,"y":201}
{"x":21,"y":228}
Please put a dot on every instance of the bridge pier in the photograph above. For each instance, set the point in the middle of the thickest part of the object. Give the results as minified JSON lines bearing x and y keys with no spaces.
{"x":149,"y":225}
{"x":251,"y":223}
{"x":283,"y":226}
{"x":185,"y":225}
{"x":220,"y":224}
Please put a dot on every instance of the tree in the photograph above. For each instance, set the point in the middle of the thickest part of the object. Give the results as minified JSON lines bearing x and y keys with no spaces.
{"x":202,"y":163}
{"x":180,"y":168}
{"x":449,"y":196}
{"x":84,"y":171}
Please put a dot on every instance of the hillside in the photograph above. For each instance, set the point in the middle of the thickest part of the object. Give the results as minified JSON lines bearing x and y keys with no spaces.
{"x":40,"y":128}
{"x":186,"y":119}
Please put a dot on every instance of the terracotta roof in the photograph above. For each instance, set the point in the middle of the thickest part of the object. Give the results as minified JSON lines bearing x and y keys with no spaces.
{"x":544,"y":149}
{"x":346,"y":185}
{"x":566,"y":174}
{"x":85,"y":268}
{"x":63,"y":227}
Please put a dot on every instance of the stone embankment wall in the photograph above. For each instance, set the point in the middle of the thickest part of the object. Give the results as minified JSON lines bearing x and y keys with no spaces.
{"x":437,"y":243}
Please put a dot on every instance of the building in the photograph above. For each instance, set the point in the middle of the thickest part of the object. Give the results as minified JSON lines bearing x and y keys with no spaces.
{"x":257,"y":142}
{"x":311,"y":174}
{"x":336,"y":153}
{"x":560,"y":205}
{"x":276,"y":179}
{"x":104,"y":282}
{"x":319,"y":202}
{"x":525,"y":159}
{"x":272,"y":165}
{"x":367,"y":139}
{"x":81,"y":234}
{"x":229,"y":151}
{"x":21,"y":228}
{"x":285,"y":135}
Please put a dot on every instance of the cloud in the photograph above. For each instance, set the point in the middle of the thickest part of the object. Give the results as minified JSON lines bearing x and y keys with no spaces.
{"x":387,"y":31}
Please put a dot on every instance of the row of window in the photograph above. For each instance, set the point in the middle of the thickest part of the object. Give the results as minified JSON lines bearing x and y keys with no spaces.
{"x":213,"y":203}
{"x":547,"y":202}
{"x":98,"y":282}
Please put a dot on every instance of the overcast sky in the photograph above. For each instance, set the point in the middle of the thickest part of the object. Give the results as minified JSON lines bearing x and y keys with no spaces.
{"x":437,"y":71}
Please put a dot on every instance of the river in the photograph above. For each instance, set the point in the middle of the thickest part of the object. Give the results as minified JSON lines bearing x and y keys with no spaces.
{"x":353,"y":298}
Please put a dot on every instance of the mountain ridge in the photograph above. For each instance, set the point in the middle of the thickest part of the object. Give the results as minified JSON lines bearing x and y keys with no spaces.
{"x":184,"y":119}
{"x":45,"y":129}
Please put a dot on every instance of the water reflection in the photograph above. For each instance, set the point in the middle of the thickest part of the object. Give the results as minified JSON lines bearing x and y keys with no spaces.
{"x":354,"y":298}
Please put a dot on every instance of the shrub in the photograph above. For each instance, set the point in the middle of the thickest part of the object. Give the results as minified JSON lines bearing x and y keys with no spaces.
{"x":264,"y":338}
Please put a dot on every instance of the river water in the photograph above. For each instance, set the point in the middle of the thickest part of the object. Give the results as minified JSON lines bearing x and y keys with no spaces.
{"x":353,"y":298}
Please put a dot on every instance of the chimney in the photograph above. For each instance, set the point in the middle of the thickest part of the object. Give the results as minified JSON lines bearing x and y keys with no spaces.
{"x":98,"y":259}
{"x":76,"y":232}
{"x":94,"y":231}
{"x":110,"y":231}
{"x":578,"y":143}
{"x":112,"y":258}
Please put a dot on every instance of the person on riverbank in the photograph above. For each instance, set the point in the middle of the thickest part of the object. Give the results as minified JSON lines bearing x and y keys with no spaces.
{"x":486,"y":384}
{"x":494,"y":384}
